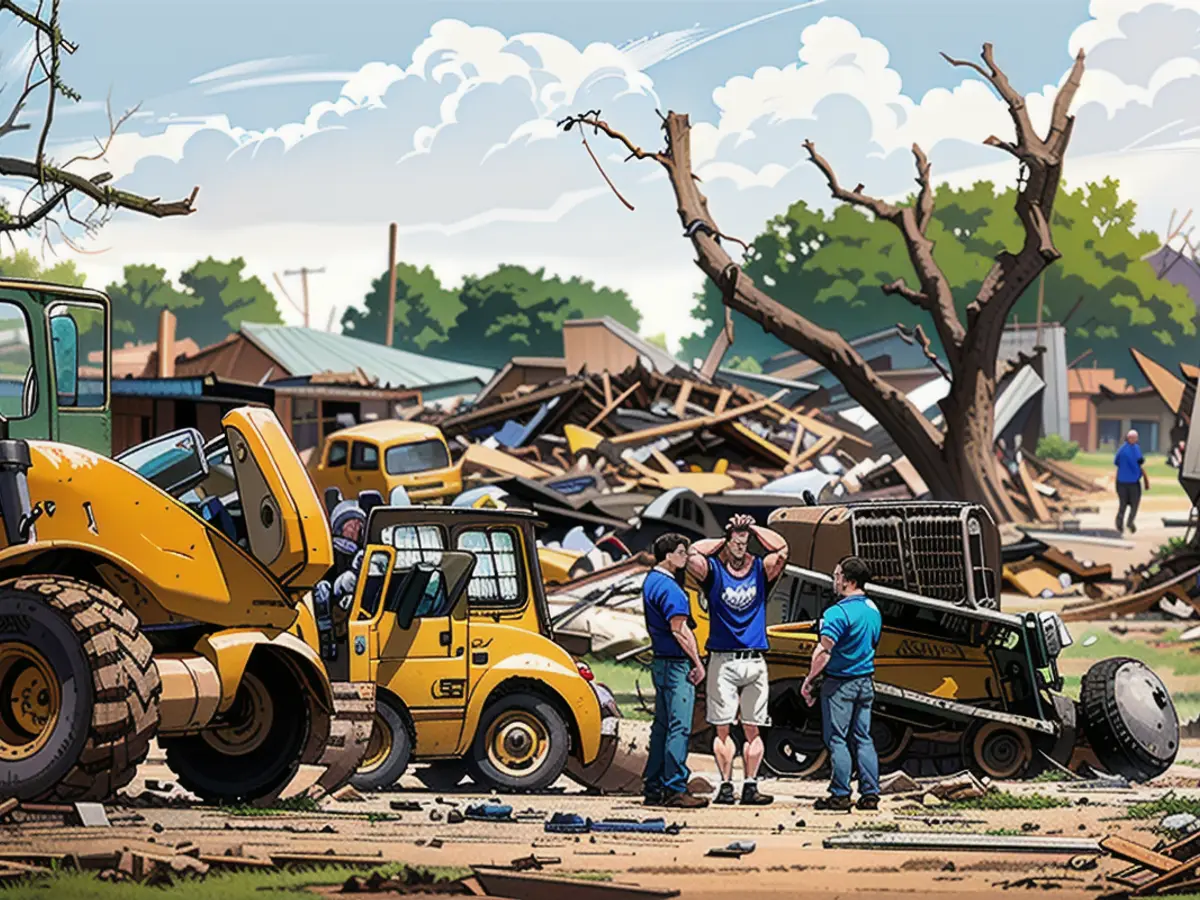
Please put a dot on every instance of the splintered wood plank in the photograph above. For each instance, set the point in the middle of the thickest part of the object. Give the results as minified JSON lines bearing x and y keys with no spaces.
{"x":1133,"y":852}
{"x":1035,"y":498}
{"x":607,"y":382}
{"x":612,"y":404}
{"x":646,"y":435}
{"x":663,"y":460}
{"x":682,"y":399}
{"x":723,"y":401}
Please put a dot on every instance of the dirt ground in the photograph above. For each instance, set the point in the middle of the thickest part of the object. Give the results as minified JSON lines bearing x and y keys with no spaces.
{"x":790,"y":859}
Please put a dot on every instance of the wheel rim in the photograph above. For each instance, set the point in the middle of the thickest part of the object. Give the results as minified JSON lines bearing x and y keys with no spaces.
{"x":30,"y":701}
{"x":1002,"y":751}
{"x":379,"y":748}
{"x":794,"y":753}
{"x":250,"y":720}
{"x":517,"y":743}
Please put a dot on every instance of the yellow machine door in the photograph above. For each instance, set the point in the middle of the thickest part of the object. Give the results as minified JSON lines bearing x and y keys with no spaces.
{"x":422,"y":640}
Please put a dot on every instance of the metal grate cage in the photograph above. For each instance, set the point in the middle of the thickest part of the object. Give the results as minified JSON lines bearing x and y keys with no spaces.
{"x":931,"y":549}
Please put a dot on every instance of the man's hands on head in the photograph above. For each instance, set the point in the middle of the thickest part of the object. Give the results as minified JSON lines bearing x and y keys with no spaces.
{"x":740,"y":521}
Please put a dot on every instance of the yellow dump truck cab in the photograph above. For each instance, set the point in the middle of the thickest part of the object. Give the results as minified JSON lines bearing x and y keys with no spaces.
{"x":451,"y":623}
{"x":383,"y":455}
{"x":160,"y":618}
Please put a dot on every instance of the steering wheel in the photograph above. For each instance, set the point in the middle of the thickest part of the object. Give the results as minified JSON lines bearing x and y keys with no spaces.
{"x":29,"y":394}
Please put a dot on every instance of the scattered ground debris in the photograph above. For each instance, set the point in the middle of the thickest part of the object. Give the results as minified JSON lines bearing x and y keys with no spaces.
{"x":734,"y":850}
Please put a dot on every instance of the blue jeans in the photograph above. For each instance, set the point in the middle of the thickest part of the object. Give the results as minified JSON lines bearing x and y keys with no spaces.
{"x":674,"y":697}
{"x":846,"y":713}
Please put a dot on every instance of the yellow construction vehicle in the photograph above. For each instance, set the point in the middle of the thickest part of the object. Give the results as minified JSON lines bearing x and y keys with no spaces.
{"x":383,"y":455}
{"x":450,"y":622}
{"x":127,"y":614}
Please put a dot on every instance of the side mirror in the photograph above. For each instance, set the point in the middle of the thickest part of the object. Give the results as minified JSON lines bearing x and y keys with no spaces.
{"x":64,"y":337}
{"x":175,"y":462}
{"x":428,"y":588}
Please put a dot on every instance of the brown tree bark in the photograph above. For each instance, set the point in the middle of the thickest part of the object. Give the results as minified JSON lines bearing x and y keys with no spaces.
{"x":959,"y":463}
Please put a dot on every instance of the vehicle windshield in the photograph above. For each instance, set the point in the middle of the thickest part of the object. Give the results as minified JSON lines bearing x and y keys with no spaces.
{"x":420,"y":456}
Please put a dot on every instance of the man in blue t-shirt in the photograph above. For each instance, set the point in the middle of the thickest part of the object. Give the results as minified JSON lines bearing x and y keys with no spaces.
{"x":845,"y":654}
{"x":737,"y":584}
{"x":677,"y":669}
{"x":1131,"y":475}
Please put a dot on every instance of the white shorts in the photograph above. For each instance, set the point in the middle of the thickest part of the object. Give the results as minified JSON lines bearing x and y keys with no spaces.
{"x":737,"y":684}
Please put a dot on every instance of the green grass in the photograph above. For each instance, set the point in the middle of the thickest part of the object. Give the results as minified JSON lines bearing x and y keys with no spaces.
{"x":1165,"y":805}
{"x":1004,"y":800}
{"x":1163,"y":479}
{"x":623,"y":680}
{"x":589,"y":875}
{"x":1005,"y":832}
{"x":217,"y":886}
{"x":1177,"y":661}
{"x":1051,"y":776}
{"x":290,"y":805}
{"x":868,"y":826}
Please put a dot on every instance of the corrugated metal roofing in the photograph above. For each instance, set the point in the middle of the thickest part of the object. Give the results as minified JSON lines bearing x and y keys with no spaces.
{"x":306,"y":351}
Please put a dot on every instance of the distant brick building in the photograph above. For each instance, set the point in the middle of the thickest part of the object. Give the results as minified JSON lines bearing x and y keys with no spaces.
{"x":1104,"y":407}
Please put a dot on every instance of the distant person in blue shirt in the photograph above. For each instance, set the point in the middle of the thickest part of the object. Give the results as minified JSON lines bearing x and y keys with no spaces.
{"x":1131,"y":475}
{"x":737,"y":584}
{"x":677,"y":669}
{"x":846,"y":655}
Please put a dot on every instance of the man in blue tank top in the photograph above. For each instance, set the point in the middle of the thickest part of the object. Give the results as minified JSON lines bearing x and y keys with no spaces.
{"x":845,"y":654}
{"x":736,"y":584}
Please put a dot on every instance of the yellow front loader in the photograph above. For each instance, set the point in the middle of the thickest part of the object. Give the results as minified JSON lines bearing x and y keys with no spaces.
{"x":133,"y":606}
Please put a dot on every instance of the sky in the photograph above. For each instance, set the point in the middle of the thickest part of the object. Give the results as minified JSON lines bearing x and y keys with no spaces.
{"x":310,"y":126}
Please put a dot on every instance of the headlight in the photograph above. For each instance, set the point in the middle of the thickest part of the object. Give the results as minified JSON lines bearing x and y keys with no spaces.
{"x":1055,"y":632}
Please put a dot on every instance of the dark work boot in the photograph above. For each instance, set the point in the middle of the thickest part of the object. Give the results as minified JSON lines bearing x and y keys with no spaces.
{"x":725,"y":794}
{"x":751,"y":796}
{"x":833,"y":804}
{"x":868,"y":801}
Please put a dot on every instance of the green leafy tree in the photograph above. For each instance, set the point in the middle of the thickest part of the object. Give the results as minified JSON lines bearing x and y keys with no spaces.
{"x":515,"y":312}
{"x":745,"y":364}
{"x":830,"y":268}
{"x":224,"y":299}
{"x":24,"y":264}
{"x":658,"y":340}
{"x":138,"y":300}
{"x":425,"y":311}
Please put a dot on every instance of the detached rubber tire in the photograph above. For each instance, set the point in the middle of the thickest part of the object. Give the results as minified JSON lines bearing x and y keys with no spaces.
{"x":388,"y":752}
{"x":1129,"y":718}
{"x":521,"y":744}
{"x":257,"y":752}
{"x":74,"y":662}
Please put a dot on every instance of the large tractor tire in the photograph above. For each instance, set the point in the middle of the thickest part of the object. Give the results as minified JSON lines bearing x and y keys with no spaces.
{"x":252,"y":755}
{"x":1129,"y":718}
{"x":521,"y":744}
{"x":388,"y":751}
{"x":79,"y":691}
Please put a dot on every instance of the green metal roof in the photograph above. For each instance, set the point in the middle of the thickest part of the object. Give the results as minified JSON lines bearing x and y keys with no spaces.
{"x":305,"y":351}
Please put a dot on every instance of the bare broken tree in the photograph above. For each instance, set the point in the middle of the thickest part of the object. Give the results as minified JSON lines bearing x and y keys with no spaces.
{"x":55,"y":192}
{"x":959,"y":463}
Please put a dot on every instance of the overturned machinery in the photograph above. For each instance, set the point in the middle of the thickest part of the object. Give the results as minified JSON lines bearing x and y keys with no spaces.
{"x":959,"y":683}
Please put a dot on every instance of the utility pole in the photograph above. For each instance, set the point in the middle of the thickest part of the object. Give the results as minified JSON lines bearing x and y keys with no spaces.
{"x":391,"y":307}
{"x":304,"y":272}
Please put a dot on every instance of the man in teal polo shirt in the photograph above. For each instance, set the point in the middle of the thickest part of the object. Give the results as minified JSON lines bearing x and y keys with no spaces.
{"x":845,"y":654}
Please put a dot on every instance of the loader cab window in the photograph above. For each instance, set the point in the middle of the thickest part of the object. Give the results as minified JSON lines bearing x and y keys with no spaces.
{"x":337,"y":454}
{"x":79,"y":337}
{"x":414,"y":544}
{"x":18,"y":381}
{"x":497,"y":579}
{"x":364,"y":457}
{"x":433,"y":601}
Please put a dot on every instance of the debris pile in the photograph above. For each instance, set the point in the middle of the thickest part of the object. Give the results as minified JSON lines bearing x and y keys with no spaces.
{"x":1170,"y":868}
